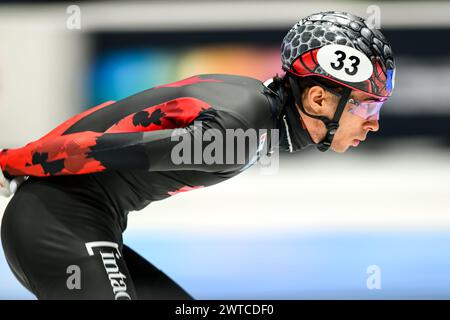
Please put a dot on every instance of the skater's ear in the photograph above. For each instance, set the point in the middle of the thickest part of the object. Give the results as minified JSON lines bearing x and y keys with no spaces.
{"x":318,"y":101}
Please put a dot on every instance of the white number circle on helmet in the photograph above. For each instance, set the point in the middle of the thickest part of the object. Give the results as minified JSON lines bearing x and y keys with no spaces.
{"x":345,"y":63}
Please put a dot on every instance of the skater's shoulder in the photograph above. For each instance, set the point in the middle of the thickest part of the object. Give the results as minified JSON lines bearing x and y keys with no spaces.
{"x":235,"y":79}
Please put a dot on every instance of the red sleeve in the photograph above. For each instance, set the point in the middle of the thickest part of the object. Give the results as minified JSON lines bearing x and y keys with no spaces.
{"x":121,"y":146}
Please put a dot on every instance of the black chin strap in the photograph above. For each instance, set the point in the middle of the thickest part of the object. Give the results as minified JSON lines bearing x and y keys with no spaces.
{"x":331,"y":125}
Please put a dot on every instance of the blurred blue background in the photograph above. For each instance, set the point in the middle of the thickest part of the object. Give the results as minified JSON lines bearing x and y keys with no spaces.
{"x":292,"y":266}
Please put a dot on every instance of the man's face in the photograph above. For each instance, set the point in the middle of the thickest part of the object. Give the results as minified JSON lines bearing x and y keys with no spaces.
{"x":353,"y":129}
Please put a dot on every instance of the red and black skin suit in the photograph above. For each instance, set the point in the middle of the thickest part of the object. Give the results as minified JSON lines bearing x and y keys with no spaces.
{"x":90,"y":171}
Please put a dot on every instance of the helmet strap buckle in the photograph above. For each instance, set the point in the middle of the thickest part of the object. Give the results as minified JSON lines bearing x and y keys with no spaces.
{"x":333,"y":125}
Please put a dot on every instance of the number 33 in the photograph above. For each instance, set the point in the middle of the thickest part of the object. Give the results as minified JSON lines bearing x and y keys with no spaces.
{"x":341,"y":56}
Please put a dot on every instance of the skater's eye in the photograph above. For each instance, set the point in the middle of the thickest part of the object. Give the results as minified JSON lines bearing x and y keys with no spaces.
{"x":368,"y":110}
{"x":354,"y":102}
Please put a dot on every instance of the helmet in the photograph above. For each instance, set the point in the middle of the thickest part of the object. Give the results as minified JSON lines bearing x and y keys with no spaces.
{"x":369,"y":67}
{"x":341,"y":48}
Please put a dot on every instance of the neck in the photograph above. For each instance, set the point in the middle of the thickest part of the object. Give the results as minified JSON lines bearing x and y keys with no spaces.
{"x":293,"y":133}
{"x":315,"y":127}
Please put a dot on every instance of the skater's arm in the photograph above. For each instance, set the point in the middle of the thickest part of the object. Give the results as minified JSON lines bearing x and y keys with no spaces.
{"x":157,"y":150}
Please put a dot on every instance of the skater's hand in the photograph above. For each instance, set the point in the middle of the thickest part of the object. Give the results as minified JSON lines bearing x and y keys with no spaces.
{"x":4,"y":185}
{"x":8,"y":187}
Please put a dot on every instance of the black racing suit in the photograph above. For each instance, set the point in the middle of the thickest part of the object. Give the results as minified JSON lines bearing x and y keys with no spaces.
{"x":89,"y":172}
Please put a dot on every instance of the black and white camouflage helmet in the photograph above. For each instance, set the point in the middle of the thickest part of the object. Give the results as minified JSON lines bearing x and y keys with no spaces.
{"x":342,"y":48}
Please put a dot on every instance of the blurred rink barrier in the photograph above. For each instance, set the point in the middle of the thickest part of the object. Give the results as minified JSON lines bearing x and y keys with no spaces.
{"x":373,"y":223}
